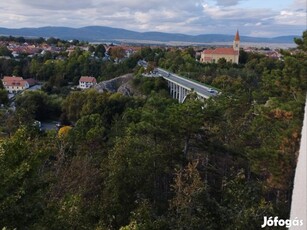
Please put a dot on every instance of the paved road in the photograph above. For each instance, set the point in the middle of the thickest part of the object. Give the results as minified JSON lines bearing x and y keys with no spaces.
{"x":198,"y":88}
{"x":51,"y":125}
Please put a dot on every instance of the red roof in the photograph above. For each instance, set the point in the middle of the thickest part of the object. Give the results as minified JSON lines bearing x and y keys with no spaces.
{"x":88,"y":79}
{"x":11,"y":78}
{"x":31,"y":81}
{"x":13,"y":81}
{"x":223,"y":51}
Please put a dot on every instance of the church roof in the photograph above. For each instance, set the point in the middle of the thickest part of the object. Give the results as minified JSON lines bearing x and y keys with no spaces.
{"x":223,"y":51}
{"x":237,"y":37}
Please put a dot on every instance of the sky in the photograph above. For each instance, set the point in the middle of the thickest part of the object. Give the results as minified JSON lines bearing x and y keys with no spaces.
{"x":259,"y":18}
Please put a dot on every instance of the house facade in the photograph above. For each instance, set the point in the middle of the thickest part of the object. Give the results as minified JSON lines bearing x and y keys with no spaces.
{"x":86,"y":82}
{"x":15,"y":84}
{"x":230,"y":54}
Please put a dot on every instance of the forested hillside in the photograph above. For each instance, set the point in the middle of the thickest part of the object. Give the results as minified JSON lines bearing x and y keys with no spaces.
{"x":146,"y":161}
{"x":103,"y":33}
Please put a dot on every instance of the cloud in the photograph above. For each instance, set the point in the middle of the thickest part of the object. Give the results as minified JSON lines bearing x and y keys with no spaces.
{"x":257,"y":22}
{"x":299,"y":4}
{"x":227,"y":2}
{"x":178,"y":16}
{"x":56,"y":5}
{"x":287,"y":17}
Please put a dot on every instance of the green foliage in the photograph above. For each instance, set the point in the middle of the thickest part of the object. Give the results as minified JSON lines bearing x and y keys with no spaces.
{"x":89,"y":130}
{"x":148,"y":85}
{"x":39,"y":104}
{"x":302,"y":42}
{"x":242,"y":206}
{"x":149,"y":162}
{"x":3,"y":97}
{"x":79,"y":104}
{"x":4,"y":51}
{"x":188,"y":204}
{"x":100,"y":50}
{"x":21,"y":158}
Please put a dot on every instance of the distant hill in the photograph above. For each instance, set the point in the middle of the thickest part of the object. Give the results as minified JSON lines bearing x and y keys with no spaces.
{"x":102,"y":33}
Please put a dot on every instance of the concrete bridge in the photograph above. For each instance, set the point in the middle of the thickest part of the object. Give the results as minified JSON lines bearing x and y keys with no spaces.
{"x":179,"y":86}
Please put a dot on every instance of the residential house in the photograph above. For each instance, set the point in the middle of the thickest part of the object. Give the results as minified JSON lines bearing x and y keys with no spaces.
{"x":86,"y":82}
{"x":15,"y":84}
{"x":230,"y":54}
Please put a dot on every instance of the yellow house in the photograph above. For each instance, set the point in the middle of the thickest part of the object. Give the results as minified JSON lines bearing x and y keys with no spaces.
{"x":230,"y":54}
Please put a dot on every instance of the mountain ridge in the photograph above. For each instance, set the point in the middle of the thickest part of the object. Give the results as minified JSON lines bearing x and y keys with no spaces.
{"x":104,"y":33}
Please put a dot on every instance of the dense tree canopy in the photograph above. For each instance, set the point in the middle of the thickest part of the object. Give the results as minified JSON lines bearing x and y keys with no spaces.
{"x":147,"y":161}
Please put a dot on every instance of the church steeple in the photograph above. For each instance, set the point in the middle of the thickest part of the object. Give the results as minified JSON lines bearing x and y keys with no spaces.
{"x":237,"y":37}
{"x":236,"y":42}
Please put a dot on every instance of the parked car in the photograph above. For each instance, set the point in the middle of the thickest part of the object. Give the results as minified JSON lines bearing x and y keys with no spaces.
{"x":212,"y":91}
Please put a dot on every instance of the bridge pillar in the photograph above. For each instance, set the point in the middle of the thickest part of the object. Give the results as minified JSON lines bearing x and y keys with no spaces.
{"x":170,"y":87}
{"x":183,"y":94}
{"x":174,"y":91}
{"x":177,"y":92}
{"x":180,"y":94}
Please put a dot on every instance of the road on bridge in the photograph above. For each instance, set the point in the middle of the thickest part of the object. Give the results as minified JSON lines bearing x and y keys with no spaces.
{"x":203,"y":90}
{"x":200,"y":89}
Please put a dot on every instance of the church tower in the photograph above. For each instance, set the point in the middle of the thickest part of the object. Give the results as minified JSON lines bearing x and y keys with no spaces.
{"x":236,"y":42}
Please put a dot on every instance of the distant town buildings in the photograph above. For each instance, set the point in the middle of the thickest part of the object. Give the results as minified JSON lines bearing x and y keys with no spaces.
{"x":230,"y":54}
{"x":86,"y":82}
{"x":266,"y":51}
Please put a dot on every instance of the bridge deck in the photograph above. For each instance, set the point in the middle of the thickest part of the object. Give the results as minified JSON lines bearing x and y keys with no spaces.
{"x":200,"y":89}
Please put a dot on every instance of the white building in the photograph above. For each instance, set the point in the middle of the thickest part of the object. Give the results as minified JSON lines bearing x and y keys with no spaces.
{"x":15,"y":84}
{"x":86,"y":82}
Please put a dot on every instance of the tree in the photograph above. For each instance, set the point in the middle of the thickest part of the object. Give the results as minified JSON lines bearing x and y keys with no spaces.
{"x":117,"y":52}
{"x":4,"y":51}
{"x":188,"y":204}
{"x":100,"y":50}
{"x":52,"y":41}
{"x":89,"y":130}
{"x":21,"y":187}
{"x":3,"y":97}
{"x":302,"y":42}
{"x":188,"y":118}
{"x":39,"y":103}
{"x":91,"y":48}
{"x":191,"y":52}
{"x":242,"y":204}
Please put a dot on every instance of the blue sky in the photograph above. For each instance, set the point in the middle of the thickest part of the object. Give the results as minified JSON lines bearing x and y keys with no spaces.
{"x":261,"y":18}
{"x":272,"y":4}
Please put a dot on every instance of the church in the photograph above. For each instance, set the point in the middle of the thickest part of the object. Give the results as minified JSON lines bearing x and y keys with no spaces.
{"x":230,"y":54}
